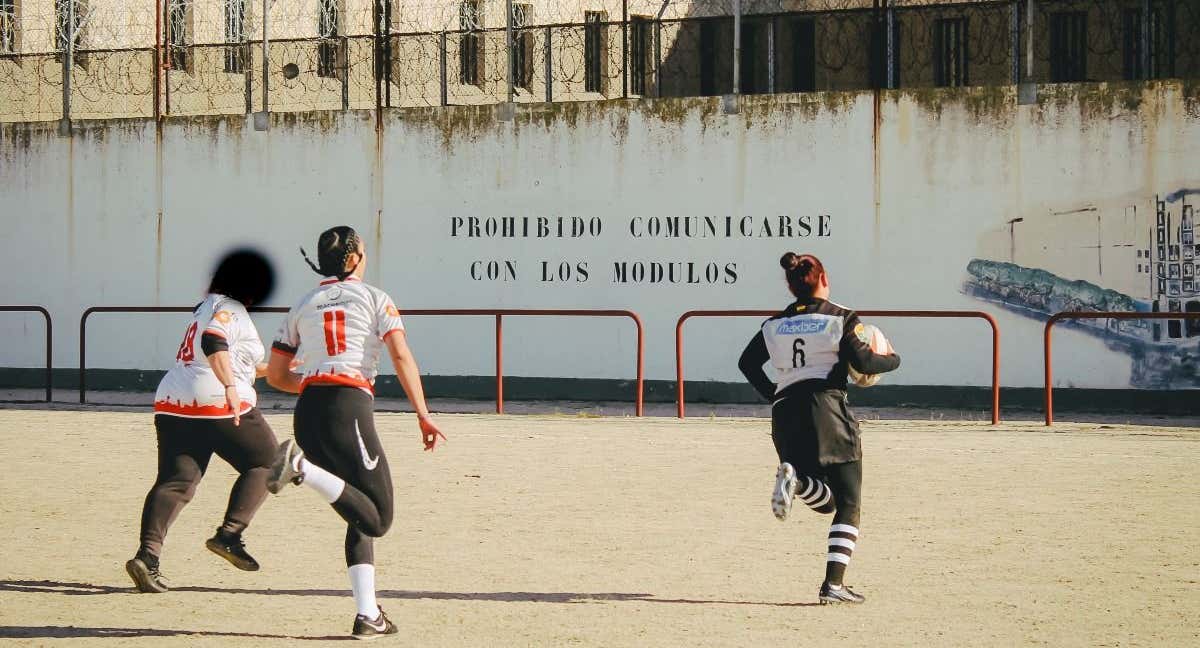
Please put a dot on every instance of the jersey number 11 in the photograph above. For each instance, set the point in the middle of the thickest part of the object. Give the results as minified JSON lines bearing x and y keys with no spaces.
{"x":335,"y":332}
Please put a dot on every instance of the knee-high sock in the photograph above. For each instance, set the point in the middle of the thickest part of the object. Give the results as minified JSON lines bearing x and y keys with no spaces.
{"x":362,"y":583}
{"x":815,"y":494}
{"x":842,"y":540}
{"x":327,"y":484}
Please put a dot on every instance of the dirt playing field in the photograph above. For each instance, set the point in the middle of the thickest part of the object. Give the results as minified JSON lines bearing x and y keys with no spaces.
{"x":568,"y":531}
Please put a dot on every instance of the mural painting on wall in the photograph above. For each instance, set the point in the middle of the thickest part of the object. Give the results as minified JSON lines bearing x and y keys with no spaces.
{"x":1154,"y":260}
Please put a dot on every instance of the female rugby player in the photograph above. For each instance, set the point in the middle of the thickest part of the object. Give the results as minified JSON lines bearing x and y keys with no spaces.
{"x":206,"y":404}
{"x":810,"y":345}
{"x":342,"y":325}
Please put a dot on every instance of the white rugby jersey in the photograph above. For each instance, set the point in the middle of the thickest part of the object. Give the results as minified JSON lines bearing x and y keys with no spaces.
{"x":338,"y":328}
{"x":804,"y":345}
{"x":190,"y":388}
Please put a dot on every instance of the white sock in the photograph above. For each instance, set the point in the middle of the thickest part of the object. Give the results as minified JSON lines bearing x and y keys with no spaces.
{"x":329,"y":485}
{"x":362,"y":583}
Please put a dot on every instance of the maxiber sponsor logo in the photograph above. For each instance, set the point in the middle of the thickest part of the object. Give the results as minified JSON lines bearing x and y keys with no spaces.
{"x":801,"y":326}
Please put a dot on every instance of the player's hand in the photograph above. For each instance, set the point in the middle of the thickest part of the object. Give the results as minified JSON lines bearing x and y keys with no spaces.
{"x":235,"y":403}
{"x":429,"y":431}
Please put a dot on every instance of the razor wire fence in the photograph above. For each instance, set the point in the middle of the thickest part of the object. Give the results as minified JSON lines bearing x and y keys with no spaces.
{"x":81,"y":59}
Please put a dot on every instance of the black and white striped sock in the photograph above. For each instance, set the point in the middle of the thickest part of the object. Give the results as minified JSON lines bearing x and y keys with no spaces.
{"x":842,"y":540}
{"x":815,"y":494}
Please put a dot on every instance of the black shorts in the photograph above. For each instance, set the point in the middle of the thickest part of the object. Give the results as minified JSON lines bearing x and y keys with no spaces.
{"x":813,"y":429}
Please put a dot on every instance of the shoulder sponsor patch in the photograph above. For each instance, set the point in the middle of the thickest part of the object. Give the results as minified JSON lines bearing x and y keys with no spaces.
{"x":223,"y":316}
{"x":393,"y":311}
{"x":801,"y":326}
{"x":860,"y":332}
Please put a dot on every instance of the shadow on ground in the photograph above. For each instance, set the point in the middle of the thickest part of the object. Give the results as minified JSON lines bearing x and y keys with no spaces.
{"x":89,"y":589}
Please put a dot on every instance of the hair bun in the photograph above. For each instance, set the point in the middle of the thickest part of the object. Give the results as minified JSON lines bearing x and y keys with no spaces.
{"x":789,"y":260}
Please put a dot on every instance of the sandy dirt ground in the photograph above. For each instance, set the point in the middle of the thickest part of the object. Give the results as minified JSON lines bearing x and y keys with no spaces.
{"x":586,"y":531}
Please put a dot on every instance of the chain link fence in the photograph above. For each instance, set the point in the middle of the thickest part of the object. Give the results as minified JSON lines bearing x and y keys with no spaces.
{"x":139,"y":58}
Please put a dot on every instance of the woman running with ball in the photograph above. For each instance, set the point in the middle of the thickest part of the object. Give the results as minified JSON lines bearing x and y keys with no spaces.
{"x":342,"y":325}
{"x":812,"y":345}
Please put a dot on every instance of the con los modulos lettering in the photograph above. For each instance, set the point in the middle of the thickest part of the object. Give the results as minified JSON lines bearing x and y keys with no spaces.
{"x":622,"y":272}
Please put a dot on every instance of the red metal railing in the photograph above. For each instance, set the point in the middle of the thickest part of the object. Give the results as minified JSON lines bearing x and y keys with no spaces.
{"x":864,"y":313}
{"x":49,"y":342}
{"x":498,"y":313}
{"x":1076,"y":315}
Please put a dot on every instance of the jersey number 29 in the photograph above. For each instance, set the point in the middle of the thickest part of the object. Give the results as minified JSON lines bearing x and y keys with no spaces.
{"x":335,"y":332}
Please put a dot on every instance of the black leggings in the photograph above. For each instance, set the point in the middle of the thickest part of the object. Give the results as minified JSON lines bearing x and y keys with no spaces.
{"x":185,"y":446}
{"x":335,"y":426}
{"x":794,"y":430}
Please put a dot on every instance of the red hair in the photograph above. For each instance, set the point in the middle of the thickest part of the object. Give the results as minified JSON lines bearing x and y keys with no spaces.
{"x":803,"y":272}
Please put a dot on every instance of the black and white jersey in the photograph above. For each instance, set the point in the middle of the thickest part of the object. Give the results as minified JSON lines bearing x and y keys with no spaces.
{"x":810,"y":345}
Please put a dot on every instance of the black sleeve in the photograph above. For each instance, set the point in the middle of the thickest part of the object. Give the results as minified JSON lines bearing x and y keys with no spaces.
{"x":211,"y":343}
{"x":858,"y":354}
{"x":751,"y":363}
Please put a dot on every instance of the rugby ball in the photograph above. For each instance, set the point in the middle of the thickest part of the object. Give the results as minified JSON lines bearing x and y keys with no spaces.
{"x":874,"y":338}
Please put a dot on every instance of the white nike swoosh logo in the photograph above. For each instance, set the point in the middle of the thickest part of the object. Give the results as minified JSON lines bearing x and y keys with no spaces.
{"x":381,"y":626}
{"x":367,"y":460}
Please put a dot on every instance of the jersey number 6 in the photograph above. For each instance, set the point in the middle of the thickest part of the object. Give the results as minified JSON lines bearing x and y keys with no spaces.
{"x":335,"y":332}
{"x":798,"y":353}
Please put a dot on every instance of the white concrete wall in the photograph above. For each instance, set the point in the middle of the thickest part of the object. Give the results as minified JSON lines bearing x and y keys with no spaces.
{"x":908,"y":204}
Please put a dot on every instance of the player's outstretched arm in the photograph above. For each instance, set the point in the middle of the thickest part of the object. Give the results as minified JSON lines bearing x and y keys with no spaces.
{"x":280,"y":376}
{"x":410,"y":379}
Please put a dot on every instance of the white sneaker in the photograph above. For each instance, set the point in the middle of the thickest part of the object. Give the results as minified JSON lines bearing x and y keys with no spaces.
{"x":785,"y":487}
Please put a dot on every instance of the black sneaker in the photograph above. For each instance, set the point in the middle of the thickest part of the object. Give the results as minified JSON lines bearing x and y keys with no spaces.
{"x":231,"y":548}
{"x":838,"y":594}
{"x":146,"y":576}
{"x":365,"y":628}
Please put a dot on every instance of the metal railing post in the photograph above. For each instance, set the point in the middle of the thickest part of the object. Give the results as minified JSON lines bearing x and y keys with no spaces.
{"x":549,"y":67}
{"x":497,"y":313}
{"x":49,"y":342}
{"x":891,"y":45}
{"x":995,"y":389}
{"x":1015,"y":35}
{"x":499,"y":364}
{"x":737,"y":46}
{"x":1048,"y":357}
{"x":443,"y":55}
{"x":508,"y":45}
{"x":624,"y":49}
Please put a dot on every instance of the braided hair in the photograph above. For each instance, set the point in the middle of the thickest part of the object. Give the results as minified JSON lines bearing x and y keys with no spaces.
{"x":803,"y":272}
{"x":334,"y":248}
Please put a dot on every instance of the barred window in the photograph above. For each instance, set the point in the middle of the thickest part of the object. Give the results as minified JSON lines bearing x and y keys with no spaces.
{"x":709,"y":42}
{"x":754,"y":73}
{"x":950,"y":52}
{"x":235,"y":32}
{"x":595,"y":50}
{"x":641,"y":43}
{"x":8,"y":26}
{"x":522,"y":60}
{"x":327,"y":31}
{"x":1159,"y":38}
{"x":804,"y":55}
{"x":1068,"y":46}
{"x":470,"y":61}
{"x":179,"y":28}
